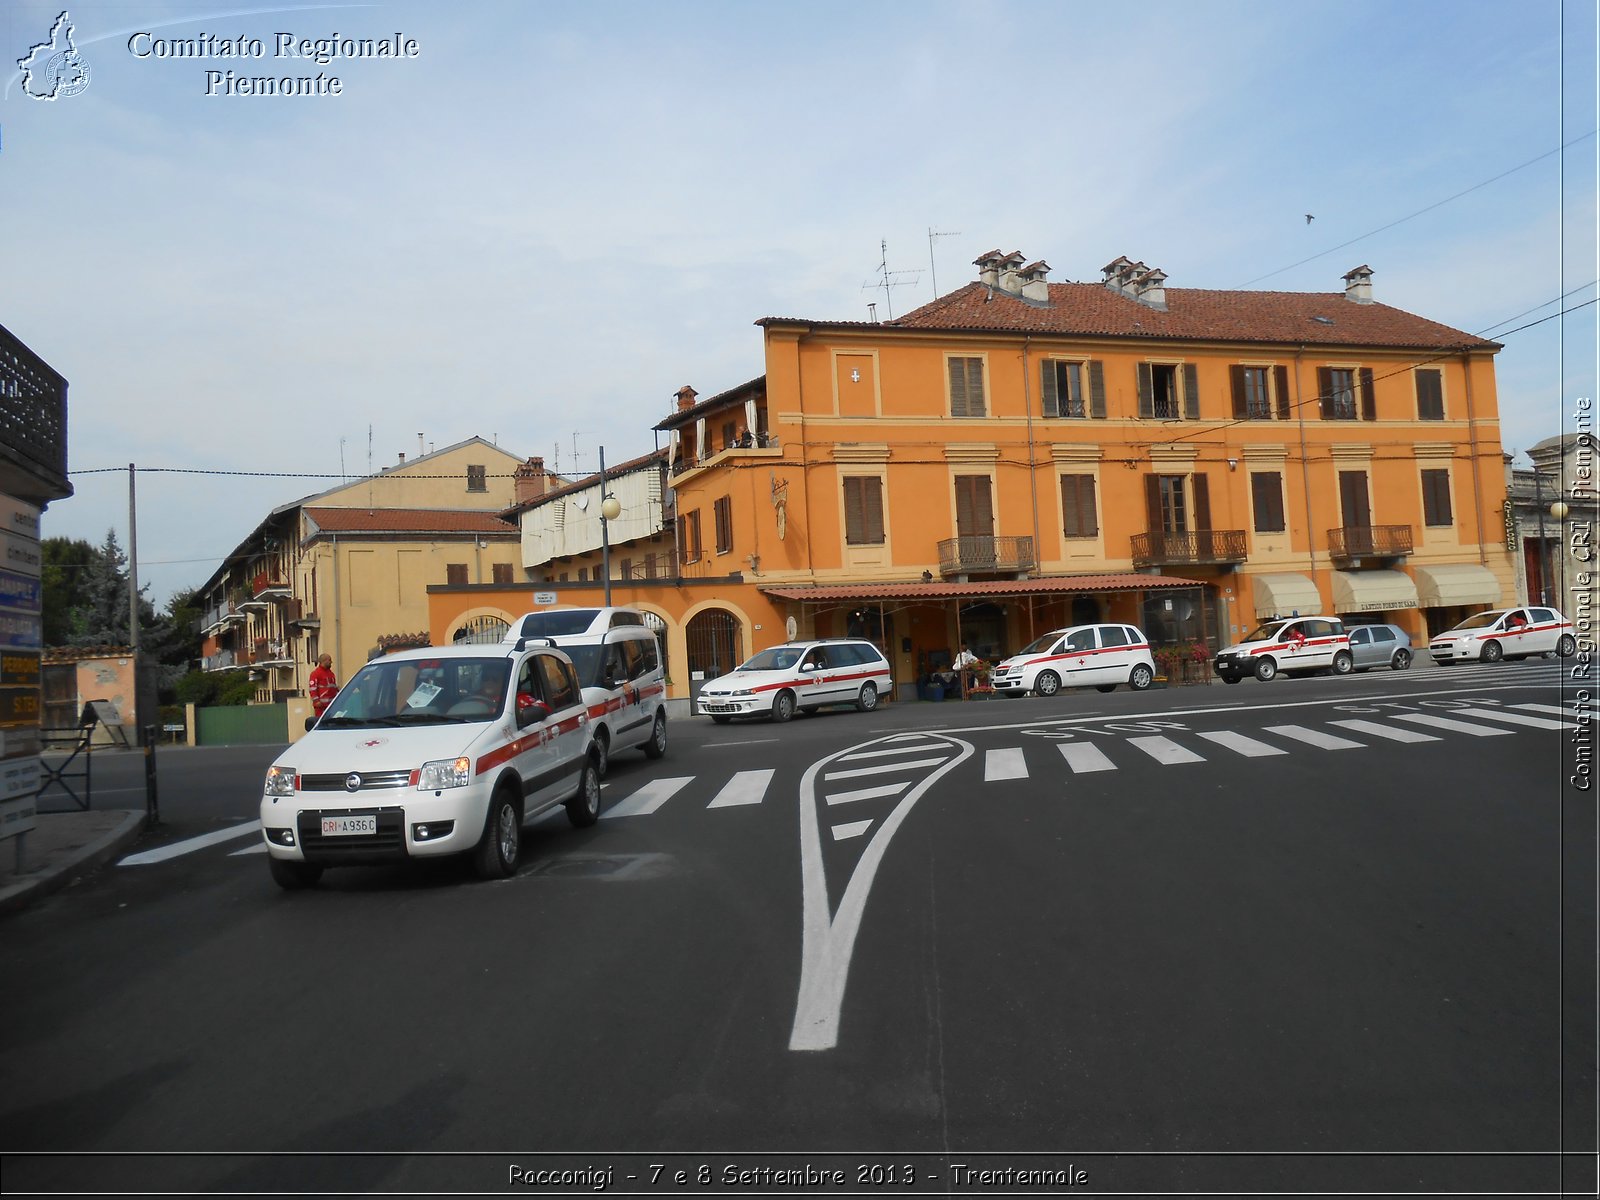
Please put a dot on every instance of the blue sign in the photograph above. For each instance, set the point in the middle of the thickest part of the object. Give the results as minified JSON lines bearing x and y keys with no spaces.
{"x":25,"y":630}
{"x":20,"y":592}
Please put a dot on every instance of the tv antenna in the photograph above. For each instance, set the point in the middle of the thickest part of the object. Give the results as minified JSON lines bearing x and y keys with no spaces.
{"x":937,"y":233}
{"x":887,"y":279}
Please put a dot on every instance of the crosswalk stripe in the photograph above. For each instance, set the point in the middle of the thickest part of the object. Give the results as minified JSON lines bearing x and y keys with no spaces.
{"x":871,"y":793}
{"x":190,"y":845}
{"x":1499,"y":714}
{"x":648,"y":798}
{"x":1164,"y":750}
{"x":1446,"y":723}
{"x":1240,"y":744}
{"x":885,"y":768}
{"x":746,"y":787}
{"x":1083,"y":758}
{"x":853,"y":829}
{"x":1385,"y":731}
{"x":1553,"y":709}
{"x":1312,"y":737}
{"x":1004,"y":764}
{"x":918,"y":748}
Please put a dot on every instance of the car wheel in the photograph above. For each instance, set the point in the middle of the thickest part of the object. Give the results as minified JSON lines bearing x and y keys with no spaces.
{"x":783,"y":706}
{"x":1140,"y":677}
{"x":1342,"y":662}
{"x":1492,"y":652}
{"x":867,"y":698}
{"x":1230,"y":678}
{"x":602,"y":750}
{"x":1567,"y":646}
{"x":1401,"y":661}
{"x":583,"y":809}
{"x":1266,"y":670}
{"x":1105,"y":687}
{"x":1047,"y":684}
{"x":501,"y":844}
{"x":656,"y":747}
{"x":720,"y":720}
{"x":292,"y":876}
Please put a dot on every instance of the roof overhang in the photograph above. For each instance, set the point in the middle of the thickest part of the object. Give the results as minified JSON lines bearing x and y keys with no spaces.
{"x":1457,"y":584}
{"x":1372,"y":591}
{"x":1284,"y":594}
{"x":1061,"y":585}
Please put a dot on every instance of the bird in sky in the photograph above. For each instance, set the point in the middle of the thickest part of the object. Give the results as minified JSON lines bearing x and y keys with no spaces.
{"x":1309,"y":218}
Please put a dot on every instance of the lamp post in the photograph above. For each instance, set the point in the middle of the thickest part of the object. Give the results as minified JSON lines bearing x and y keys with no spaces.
{"x":610,"y":510}
{"x":1559,"y":511}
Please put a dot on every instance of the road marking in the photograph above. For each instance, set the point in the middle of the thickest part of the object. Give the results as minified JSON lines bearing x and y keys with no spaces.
{"x":747,"y":787}
{"x":1083,"y":758}
{"x":897,"y":750}
{"x":1164,"y":750}
{"x":1004,"y":764}
{"x":1495,"y":714}
{"x":190,"y":845}
{"x":1446,"y":723}
{"x":1551,"y":708}
{"x":258,"y":848}
{"x":885,"y":768}
{"x":872,"y":793}
{"x":751,"y":742}
{"x":648,"y":798}
{"x":1239,"y":744}
{"x":843,"y":833}
{"x":1312,"y":737}
{"x":1385,"y":731}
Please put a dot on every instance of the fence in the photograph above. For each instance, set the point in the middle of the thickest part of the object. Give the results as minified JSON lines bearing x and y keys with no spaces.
{"x":242,"y":725}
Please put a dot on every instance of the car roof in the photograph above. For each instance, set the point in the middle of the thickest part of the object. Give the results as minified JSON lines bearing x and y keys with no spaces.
{"x":458,"y":650}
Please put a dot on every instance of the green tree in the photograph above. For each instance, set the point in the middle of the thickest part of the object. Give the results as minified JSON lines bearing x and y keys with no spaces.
{"x":63,"y":572}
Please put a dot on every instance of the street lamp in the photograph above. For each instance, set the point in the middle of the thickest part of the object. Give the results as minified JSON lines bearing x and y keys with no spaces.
{"x":610,"y":510}
{"x":1559,"y":511}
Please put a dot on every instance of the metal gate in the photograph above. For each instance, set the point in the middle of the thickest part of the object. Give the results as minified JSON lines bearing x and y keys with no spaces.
{"x":482,"y":629}
{"x":60,"y":688}
{"x":712,"y":639}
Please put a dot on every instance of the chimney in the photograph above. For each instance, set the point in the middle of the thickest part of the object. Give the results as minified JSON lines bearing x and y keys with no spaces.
{"x":988,"y":268}
{"x":1150,"y":289}
{"x":1113,"y":272}
{"x":1035,"y":287}
{"x":1010,"y":267}
{"x":529,"y":481}
{"x":686,"y":395}
{"x":1358,"y":285}
{"x":402,"y":458}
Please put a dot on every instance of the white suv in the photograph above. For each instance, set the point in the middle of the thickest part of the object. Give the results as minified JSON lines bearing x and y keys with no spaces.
{"x":1099,"y":656}
{"x":447,"y":750}
{"x":1292,"y":644}
{"x":803,"y":675}
{"x":1504,"y":633}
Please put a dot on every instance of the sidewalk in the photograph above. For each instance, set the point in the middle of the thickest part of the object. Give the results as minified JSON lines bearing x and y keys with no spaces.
{"x":61,"y":848}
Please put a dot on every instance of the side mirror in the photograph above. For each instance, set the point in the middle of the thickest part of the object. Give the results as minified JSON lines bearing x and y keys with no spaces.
{"x":808,"y":666}
{"x":530,"y":711}
{"x":311,"y":723}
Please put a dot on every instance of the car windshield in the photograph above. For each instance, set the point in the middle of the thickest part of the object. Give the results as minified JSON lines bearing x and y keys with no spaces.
{"x":1040,"y":645}
{"x":1481,"y":620}
{"x":561,"y":622}
{"x":779,"y":658}
{"x":1264,"y":633}
{"x":420,"y":691}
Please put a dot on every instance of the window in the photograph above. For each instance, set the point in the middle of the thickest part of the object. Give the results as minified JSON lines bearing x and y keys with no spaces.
{"x":1436,"y":498}
{"x":502,"y":572}
{"x":1338,"y":395}
{"x":1113,"y":635}
{"x":1254,"y":392}
{"x":1266,"y":498}
{"x":556,"y":680}
{"x":583,"y":574}
{"x":1171,"y":510}
{"x":1542,"y":615}
{"x":627,"y":569}
{"x":689,"y":537}
{"x":1079,"y":518}
{"x":974,"y":508}
{"x":1082,"y":639}
{"x":730,"y":434}
{"x":477,"y":479}
{"x":455,"y":574}
{"x":1382,"y":633}
{"x":863,"y":510}
{"x":1167,"y":392}
{"x":1062,"y":391}
{"x":1430,"y":395}
{"x":966,"y":387}
{"x":723,"y":511}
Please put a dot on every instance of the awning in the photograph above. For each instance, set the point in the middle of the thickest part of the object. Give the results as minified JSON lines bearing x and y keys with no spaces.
{"x":1372,"y":591}
{"x":1461,"y":584}
{"x":1285,"y":595}
{"x":1054,"y":585}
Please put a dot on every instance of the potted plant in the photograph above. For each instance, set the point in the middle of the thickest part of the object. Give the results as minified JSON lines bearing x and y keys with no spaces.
{"x":1169,"y":662}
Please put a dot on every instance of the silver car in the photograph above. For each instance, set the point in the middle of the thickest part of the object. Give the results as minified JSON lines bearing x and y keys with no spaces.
{"x":1380,"y":646}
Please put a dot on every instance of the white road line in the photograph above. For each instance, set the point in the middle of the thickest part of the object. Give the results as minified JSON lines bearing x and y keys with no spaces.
{"x":1239,"y":744}
{"x":1554,"y":709}
{"x":1312,"y":737}
{"x":1083,"y":758}
{"x":751,"y":742}
{"x":190,"y":845}
{"x":872,"y":793}
{"x":258,"y":848}
{"x":854,"y":829}
{"x":1004,"y":764}
{"x":1456,"y":726}
{"x":746,"y":787}
{"x":648,"y":798}
{"x":917,"y":737}
{"x":1164,"y":750}
{"x":885,"y":768}
{"x":1385,"y":731}
{"x":1497,"y":714}
{"x":912,"y":749}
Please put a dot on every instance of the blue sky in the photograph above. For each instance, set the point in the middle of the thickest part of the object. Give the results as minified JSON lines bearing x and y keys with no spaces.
{"x":558,"y":214}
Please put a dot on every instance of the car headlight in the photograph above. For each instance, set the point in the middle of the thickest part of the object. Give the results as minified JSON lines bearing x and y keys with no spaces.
{"x":740,"y":692}
{"x":445,"y":773}
{"x":280,"y":781}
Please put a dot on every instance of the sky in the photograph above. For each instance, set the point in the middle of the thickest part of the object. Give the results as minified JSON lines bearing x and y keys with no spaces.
{"x":552,"y":216}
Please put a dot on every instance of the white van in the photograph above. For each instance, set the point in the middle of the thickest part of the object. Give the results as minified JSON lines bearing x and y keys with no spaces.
{"x":445,"y":750}
{"x":619,"y":665}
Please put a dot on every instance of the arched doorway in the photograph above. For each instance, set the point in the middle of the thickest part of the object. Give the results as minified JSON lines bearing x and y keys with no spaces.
{"x":711,"y":641}
{"x":481,"y":629}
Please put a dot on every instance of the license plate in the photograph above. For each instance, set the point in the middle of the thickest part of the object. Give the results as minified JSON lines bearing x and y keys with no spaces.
{"x":348,"y":826}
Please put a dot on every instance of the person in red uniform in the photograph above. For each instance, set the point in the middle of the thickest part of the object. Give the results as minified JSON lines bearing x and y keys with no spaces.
{"x":324,"y":687}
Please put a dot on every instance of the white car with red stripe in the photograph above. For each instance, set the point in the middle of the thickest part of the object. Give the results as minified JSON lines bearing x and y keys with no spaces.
{"x":1505,"y":633}
{"x":799,"y":675}
{"x":433,"y":752}
{"x":1292,"y":644}
{"x":1099,"y":656}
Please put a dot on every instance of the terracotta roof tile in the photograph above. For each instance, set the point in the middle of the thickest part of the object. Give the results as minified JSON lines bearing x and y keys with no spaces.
{"x":408,"y":520}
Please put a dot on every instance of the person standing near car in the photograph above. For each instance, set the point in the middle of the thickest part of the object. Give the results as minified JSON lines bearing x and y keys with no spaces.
{"x":323,"y":687}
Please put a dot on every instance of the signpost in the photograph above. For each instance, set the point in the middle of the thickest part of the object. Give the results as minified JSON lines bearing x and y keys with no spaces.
{"x":21,"y":639}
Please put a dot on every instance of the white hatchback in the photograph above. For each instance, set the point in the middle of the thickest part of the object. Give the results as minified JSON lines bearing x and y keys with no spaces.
{"x":1098,"y":656}
{"x":799,"y":675}
{"x":1504,"y":633}
{"x":1291,"y":644}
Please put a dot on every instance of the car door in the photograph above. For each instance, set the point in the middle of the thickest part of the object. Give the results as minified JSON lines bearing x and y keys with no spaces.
{"x":559,"y":732}
{"x":1115,"y":660}
{"x":1363,"y":650}
{"x":1547,"y":629}
{"x":814,"y":684}
{"x":1082,"y":658}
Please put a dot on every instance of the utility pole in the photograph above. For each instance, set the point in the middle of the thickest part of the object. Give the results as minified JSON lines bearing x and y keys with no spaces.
{"x":133,"y":593}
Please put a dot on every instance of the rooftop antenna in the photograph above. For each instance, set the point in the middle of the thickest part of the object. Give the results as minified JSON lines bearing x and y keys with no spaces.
{"x":342,"y":475}
{"x":887,"y":279}
{"x":937,"y":233}
{"x":555,"y":460}
{"x":574,"y":451}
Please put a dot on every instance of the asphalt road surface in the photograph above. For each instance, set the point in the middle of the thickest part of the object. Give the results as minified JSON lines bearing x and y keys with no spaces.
{"x":1318,"y":934}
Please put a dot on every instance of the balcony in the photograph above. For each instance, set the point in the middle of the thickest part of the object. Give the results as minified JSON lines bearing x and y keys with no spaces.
{"x":271,"y":653}
{"x":225,"y":660}
{"x":1369,"y":541}
{"x":1193,"y":548}
{"x":986,"y":555}
{"x":33,"y":425}
{"x":267,"y":587}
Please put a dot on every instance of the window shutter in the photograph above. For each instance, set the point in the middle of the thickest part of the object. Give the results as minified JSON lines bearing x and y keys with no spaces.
{"x":1430,"y":396}
{"x":1236,"y":381}
{"x":1079,"y":518}
{"x":1266,"y":488}
{"x":1152,"y":502}
{"x":1369,"y":402}
{"x":1049,"y":392}
{"x":975,"y":404}
{"x":1097,"y":390}
{"x":1146,"y":392}
{"x":1086,"y":507}
{"x":1282,"y":376}
{"x":958,"y":387}
{"x":974,"y":512}
{"x":1325,"y":392}
{"x":872,"y":504}
{"x":852,"y":511}
{"x":1202,"y":502}
{"x":1191,"y":391}
{"x":455,"y":574}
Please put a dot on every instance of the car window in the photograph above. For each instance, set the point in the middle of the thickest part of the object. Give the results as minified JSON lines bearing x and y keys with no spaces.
{"x":1544,"y":614}
{"x":868,"y":654}
{"x":1135,"y":636}
{"x":1359,"y":637}
{"x":632,"y":658}
{"x":1383,"y":634}
{"x":558,"y":623}
{"x":558,"y":684}
{"x":1113,"y":635}
{"x":1317,"y":628}
{"x":1481,"y":620}
{"x":625,"y":618}
{"x":1080,"y":639}
{"x":845,"y":655}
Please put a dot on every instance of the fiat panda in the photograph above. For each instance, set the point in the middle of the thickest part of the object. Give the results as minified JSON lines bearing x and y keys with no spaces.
{"x":1293,"y":644}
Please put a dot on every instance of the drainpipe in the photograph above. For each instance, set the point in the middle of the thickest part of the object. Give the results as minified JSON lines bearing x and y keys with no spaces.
{"x":1305,"y":467}
{"x":1472,"y":442}
{"x":338,"y":625}
{"x":1033,"y":475}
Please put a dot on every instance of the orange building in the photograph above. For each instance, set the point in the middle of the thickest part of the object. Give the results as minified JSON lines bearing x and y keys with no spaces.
{"x":1021,"y":454}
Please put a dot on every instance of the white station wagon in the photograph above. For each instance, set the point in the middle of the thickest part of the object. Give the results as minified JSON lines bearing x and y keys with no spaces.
{"x":1505,"y":633}
{"x":1098,"y":656}
{"x":799,"y":675}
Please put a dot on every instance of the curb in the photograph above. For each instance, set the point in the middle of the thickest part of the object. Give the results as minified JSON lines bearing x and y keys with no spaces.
{"x":28,"y":888}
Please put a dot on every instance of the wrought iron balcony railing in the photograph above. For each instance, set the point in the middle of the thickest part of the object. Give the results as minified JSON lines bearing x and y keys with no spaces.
{"x":1369,"y":541}
{"x":33,"y":420}
{"x":971,"y":555}
{"x":1194,"y":547}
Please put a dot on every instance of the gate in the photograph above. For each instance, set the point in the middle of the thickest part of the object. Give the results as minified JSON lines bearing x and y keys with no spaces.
{"x":482,"y":629}
{"x":712,"y":642}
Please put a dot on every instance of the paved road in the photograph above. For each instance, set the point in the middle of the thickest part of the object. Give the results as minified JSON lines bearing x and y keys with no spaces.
{"x":1312,"y":916}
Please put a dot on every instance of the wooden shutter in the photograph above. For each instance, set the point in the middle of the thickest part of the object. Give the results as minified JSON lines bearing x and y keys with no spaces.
{"x":1202,"y":502}
{"x":1430,"y":396}
{"x":1369,"y":401}
{"x":455,"y":574}
{"x":1152,"y":502}
{"x":1436,"y":498}
{"x":1325,"y":392}
{"x":966,"y":387}
{"x":974,"y":512}
{"x":1097,"y":390}
{"x":1079,"y":518}
{"x":1147,"y":391}
{"x":1266,"y":494}
{"x":1353,"y":504}
{"x":1241,"y":408}
{"x":724,"y":514}
{"x":502,"y":572}
{"x":1282,"y":376}
{"x":1049,"y":390}
{"x":863,"y":511}
{"x":1191,"y":392}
